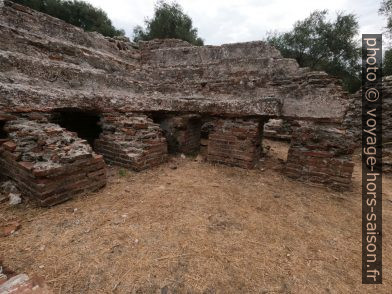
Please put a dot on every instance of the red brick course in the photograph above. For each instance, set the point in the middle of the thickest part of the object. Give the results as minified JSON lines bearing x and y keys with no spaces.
{"x":321,"y":154}
{"x":236,"y":142}
{"x":49,"y":174}
{"x":131,"y":141}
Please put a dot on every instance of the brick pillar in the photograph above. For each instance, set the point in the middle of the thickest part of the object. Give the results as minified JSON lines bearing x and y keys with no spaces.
{"x":182,"y":133}
{"x":235,"y":141}
{"x":131,"y":140}
{"x":321,"y":154}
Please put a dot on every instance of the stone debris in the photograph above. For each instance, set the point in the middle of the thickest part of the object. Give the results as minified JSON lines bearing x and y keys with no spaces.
{"x":9,"y":228}
{"x":22,"y":283}
{"x":15,"y":199}
{"x":11,"y":193}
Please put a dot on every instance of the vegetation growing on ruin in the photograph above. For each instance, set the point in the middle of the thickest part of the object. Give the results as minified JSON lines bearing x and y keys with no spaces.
{"x":321,"y":44}
{"x":75,"y":12}
{"x":169,"y":21}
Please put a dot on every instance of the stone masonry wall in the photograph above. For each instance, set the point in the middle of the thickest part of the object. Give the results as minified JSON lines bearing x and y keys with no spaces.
{"x":47,"y":64}
{"x":48,"y":163}
{"x":321,"y":154}
{"x":235,"y":142}
{"x":131,"y":140}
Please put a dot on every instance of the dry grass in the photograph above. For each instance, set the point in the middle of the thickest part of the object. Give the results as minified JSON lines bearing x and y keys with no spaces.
{"x":199,"y":228}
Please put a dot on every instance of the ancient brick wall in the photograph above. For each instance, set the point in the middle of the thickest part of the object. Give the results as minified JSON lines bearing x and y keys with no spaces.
{"x":47,"y":64}
{"x":235,"y":142}
{"x":48,"y":163}
{"x":131,"y":140}
{"x":321,"y":154}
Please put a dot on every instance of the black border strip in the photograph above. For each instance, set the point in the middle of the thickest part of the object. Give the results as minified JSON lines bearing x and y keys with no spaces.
{"x":372,"y":159}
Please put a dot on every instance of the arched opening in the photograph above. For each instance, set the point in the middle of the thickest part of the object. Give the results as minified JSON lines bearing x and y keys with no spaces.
{"x":84,"y":123}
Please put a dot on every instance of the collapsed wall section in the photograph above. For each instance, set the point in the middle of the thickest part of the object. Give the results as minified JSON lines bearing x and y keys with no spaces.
{"x":48,"y":163}
{"x":131,"y":141}
{"x":235,"y":141}
{"x":321,"y":154}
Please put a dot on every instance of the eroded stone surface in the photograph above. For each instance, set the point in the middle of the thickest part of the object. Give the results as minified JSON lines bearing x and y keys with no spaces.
{"x":47,"y":64}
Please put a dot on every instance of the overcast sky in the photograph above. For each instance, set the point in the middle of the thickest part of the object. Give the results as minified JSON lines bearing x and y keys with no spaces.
{"x":229,"y":21}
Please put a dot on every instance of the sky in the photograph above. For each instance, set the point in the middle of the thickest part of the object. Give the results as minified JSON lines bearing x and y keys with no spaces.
{"x":229,"y":21}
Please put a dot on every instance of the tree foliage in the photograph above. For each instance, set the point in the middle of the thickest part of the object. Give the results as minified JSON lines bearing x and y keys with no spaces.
{"x":326,"y":45}
{"x":387,"y":63}
{"x":169,"y":21}
{"x":76,"y":12}
{"x":386,"y":10}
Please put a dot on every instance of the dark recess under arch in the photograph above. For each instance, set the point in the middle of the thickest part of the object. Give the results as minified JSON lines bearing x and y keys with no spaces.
{"x":84,"y":123}
{"x":3,"y":133}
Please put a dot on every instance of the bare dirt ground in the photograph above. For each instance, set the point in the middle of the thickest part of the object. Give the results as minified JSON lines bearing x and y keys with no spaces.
{"x":199,"y":228}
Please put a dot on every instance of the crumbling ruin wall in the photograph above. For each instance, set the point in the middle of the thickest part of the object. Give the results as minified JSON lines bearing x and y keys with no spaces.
{"x":49,"y":163}
{"x":47,"y":64}
{"x":131,"y":140}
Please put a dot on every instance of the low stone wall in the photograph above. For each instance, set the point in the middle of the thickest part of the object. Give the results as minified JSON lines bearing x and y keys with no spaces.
{"x":131,"y":141}
{"x":235,"y":142}
{"x":321,"y":154}
{"x":48,"y":163}
{"x":182,"y":133}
